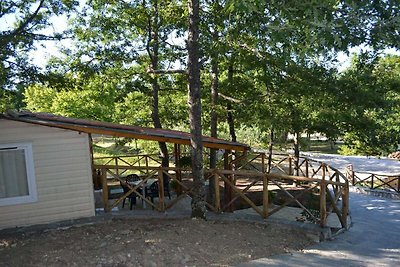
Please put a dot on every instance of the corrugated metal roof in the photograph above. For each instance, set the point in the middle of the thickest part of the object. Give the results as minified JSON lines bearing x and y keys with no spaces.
{"x":119,"y":130}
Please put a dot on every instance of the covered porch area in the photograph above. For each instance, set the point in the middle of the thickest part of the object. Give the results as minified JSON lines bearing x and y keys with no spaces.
{"x":265,"y":184}
{"x":161,"y":188}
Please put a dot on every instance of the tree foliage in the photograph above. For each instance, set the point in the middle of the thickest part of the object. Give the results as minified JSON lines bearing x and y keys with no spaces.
{"x":370,"y":120}
{"x":270,"y":65}
{"x":24,"y":22}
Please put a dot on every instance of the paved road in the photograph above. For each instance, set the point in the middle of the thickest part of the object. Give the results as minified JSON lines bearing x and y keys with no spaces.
{"x":373,"y":239}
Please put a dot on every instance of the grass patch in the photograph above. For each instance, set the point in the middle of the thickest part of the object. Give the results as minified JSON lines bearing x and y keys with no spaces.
{"x":318,"y":146}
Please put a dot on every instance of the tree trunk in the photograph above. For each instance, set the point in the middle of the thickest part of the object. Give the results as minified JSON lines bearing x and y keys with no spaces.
{"x":229,"y":115}
{"x":214,"y":124}
{"x":332,"y":143}
{"x":153,"y":52}
{"x":214,"y":116}
{"x":157,"y":123}
{"x":308,"y":141}
{"x":198,"y":201}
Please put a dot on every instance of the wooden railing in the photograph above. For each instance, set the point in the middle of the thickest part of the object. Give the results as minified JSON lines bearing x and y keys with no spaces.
{"x":111,"y":174}
{"x":231,"y":185}
{"x":287,"y":165}
{"x":142,"y":161}
{"x":373,"y":180}
{"x":329,"y":193}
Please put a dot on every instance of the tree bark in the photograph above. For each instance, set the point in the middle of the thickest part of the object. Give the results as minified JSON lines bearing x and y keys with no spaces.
{"x":214,"y":116}
{"x":153,"y":52}
{"x":157,"y":122}
{"x":198,"y":200}
{"x":229,"y":116}
{"x":213,"y":124}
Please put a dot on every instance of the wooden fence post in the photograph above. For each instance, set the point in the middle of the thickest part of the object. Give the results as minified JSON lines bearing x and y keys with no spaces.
{"x":217,"y":198}
{"x":116,"y":164}
{"x":290,"y":165}
{"x":307,"y":167}
{"x":263,"y":162}
{"x":103,"y":178}
{"x":161,"y":189}
{"x":336,"y":187}
{"x":265,"y":196}
{"x":345,"y":203}
{"x":146,"y":159}
{"x":322,"y":203}
{"x":398,"y":184}
{"x":350,"y":174}
{"x":372,"y":181}
{"x":177,"y":152}
{"x":228,"y":191}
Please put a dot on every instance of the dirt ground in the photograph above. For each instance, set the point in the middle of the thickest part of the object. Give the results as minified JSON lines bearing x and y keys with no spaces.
{"x":149,"y":242}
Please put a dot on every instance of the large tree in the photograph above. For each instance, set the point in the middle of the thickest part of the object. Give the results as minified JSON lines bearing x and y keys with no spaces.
{"x":370,"y":95}
{"x":198,"y":201}
{"x":130,"y":41}
{"x":287,"y":50}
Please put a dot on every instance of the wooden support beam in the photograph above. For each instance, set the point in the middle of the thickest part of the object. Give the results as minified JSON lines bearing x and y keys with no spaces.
{"x":217,"y":198}
{"x":177,"y":152}
{"x":372,"y":181}
{"x":116,"y":164}
{"x":146,"y":159}
{"x":263,"y":162}
{"x":307,"y":167}
{"x":103,"y":178}
{"x":322,"y":203}
{"x":398,"y":184}
{"x":345,"y":203}
{"x":265,"y":196}
{"x":90,"y":139}
{"x":161,"y":190}
{"x":227,"y":186}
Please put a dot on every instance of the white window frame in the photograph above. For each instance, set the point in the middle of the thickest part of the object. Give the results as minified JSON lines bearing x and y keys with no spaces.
{"x":30,"y":174}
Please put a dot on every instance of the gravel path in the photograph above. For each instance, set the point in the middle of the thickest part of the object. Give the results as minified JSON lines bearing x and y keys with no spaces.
{"x":373,"y":239}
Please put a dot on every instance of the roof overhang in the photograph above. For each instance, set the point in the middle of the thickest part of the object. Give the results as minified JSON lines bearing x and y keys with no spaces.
{"x":119,"y":130}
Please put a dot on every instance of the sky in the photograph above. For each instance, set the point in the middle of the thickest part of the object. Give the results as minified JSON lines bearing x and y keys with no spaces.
{"x":344,"y":60}
{"x":45,"y":50}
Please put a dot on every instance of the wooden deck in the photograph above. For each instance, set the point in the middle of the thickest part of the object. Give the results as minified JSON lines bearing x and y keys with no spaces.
{"x":244,"y":176}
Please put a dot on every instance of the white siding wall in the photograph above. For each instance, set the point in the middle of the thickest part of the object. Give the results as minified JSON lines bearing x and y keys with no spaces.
{"x":63,"y":175}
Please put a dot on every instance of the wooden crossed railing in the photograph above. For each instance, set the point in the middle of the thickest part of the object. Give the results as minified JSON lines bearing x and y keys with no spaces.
{"x":329,"y":193}
{"x":146,"y":161}
{"x":110,"y":174}
{"x":238,"y":183}
{"x":287,"y":165}
{"x":373,"y":180}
